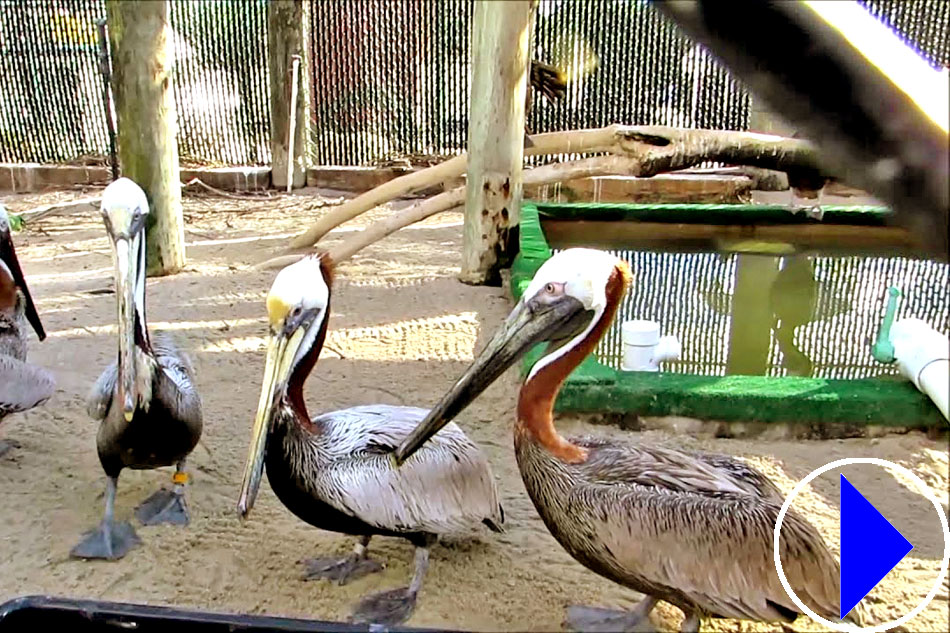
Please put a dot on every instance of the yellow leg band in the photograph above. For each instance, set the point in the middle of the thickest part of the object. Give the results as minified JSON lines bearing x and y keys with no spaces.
{"x":180,"y":478}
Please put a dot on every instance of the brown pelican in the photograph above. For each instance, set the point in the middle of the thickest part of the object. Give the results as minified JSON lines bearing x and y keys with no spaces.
{"x":690,"y":528}
{"x":22,"y":386}
{"x":149,"y":411}
{"x":334,"y":472}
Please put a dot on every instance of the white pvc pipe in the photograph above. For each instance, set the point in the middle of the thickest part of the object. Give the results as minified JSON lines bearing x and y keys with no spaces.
{"x":293,"y":122}
{"x":923,"y":357}
{"x":643,"y":347}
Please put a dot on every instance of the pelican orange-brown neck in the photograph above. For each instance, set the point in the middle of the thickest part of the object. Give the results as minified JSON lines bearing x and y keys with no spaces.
{"x":536,"y":399}
{"x":8,"y":256}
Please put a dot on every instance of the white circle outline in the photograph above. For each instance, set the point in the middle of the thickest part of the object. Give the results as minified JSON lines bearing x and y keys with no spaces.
{"x":840,"y":626}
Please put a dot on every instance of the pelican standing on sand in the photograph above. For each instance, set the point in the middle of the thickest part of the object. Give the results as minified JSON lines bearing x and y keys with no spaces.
{"x":149,"y":411}
{"x":22,"y":386}
{"x":334,"y":472}
{"x":690,"y":528}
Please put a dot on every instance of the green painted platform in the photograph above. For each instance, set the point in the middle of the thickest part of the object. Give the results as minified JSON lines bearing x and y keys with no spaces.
{"x":597,"y":388}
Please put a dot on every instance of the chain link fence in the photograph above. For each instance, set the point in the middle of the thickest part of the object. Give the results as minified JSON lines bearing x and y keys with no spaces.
{"x":818,"y":316}
{"x":51,"y":107}
{"x":390,"y":79}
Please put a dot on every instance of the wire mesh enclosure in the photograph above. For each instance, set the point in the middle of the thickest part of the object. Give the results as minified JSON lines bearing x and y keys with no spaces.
{"x":389,"y":78}
{"x":51,"y":107}
{"x":51,"y":102}
{"x":221,"y":81}
{"x":820,"y":313}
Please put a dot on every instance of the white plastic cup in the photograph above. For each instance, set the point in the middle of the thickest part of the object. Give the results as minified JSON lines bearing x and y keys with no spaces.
{"x":640,"y":338}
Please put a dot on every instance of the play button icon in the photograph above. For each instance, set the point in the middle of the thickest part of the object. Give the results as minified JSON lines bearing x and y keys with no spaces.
{"x":870,"y":547}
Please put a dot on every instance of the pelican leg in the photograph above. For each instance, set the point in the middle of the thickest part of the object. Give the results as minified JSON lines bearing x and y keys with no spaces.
{"x":690,"y":624}
{"x":7,"y":446}
{"x":597,"y":620}
{"x":110,"y":540}
{"x":167,"y":506}
{"x":343,"y":570}
{"x":389,"y":608}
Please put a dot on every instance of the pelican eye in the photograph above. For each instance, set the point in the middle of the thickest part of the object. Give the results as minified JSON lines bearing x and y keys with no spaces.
{"x":550,"y":288}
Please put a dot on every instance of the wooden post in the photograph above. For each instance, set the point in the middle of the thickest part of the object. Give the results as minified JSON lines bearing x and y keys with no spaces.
{"x":495,"y":137}
{"x":286,"y":38}
{"x":142,"y":59}
{"x":751,"y":324}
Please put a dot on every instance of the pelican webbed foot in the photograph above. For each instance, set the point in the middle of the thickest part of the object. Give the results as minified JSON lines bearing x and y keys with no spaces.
{"x":8,"y":445}
{"x":167,"y":506}
{"x":342,"y":570}
{"x":389,"y":608}
{"x":598,"y":620}
{"x":164,"y":506}
{"x":109,"y":541}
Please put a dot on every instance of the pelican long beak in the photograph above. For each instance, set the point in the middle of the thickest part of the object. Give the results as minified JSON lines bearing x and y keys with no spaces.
{"x":126,"y":274}
{"x":281,"y":352}
{"x":526,"y":325}
{"x":8,"y":255}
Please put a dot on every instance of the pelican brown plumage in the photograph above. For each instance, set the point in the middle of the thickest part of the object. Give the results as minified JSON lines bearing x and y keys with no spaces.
{"x":22,"y":385}
{"x":693,"y":529}
{"x":333,"y":471}
{"x":146,"y":401}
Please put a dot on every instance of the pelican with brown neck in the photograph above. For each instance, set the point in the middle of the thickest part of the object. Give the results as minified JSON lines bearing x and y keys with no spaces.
{"x":689,"y":528}
{"x":22,"y":385}
{"x":333,"y":472}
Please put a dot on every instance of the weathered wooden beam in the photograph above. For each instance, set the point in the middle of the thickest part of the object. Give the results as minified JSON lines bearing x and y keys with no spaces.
{"x":286,"y":37}
{"x":764,"y":239}
{"x":142,"y":60}
{"x":495,"y":137}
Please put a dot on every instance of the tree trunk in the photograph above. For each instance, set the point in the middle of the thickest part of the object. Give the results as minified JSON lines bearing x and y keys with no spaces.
{"x":142,"y":59}
{"x":286,"y":29}
{"x":495,"y":137}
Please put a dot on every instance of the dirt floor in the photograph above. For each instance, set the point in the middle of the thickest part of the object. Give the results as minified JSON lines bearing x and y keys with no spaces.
{"x":402,"y":329}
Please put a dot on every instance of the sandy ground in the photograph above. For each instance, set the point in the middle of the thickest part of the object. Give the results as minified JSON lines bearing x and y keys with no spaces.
{"x":402,"y":329}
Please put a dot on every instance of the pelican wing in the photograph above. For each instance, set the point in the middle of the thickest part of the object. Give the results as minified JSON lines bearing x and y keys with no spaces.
{"x":23,"y":386}
{"x":704,"y":532}
{"x":178,"y":392}
{"x":447,"y":487}
{"x":700,"y":472}
{"x":100,"y":396}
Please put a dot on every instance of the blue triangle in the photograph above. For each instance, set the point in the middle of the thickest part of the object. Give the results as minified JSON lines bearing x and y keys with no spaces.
{"x":870,"y":547}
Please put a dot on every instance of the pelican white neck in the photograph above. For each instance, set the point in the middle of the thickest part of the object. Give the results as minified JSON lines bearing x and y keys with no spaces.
{"x":585,"y":273}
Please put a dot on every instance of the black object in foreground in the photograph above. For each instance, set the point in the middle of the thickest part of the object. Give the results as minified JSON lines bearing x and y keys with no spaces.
{"x":35,"y":613}
{"x":872,"y":134}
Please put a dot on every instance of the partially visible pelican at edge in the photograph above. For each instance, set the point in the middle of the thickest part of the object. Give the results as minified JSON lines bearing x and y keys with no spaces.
{"x":693,"y":529}
{"x":146,"y":402}
{"x":334,"y":472}
{"x":22,"y":385}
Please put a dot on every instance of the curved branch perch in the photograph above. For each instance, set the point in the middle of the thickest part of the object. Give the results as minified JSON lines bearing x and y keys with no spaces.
{"x":556,"y":172}
{"x":656,"y":149}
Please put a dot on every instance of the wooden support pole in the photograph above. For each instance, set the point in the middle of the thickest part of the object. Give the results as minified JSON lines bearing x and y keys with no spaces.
{"x":500,"y":59}
{"x":286,"y":38}
{"x":751,"y":323}
{"x":142,"y":54}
